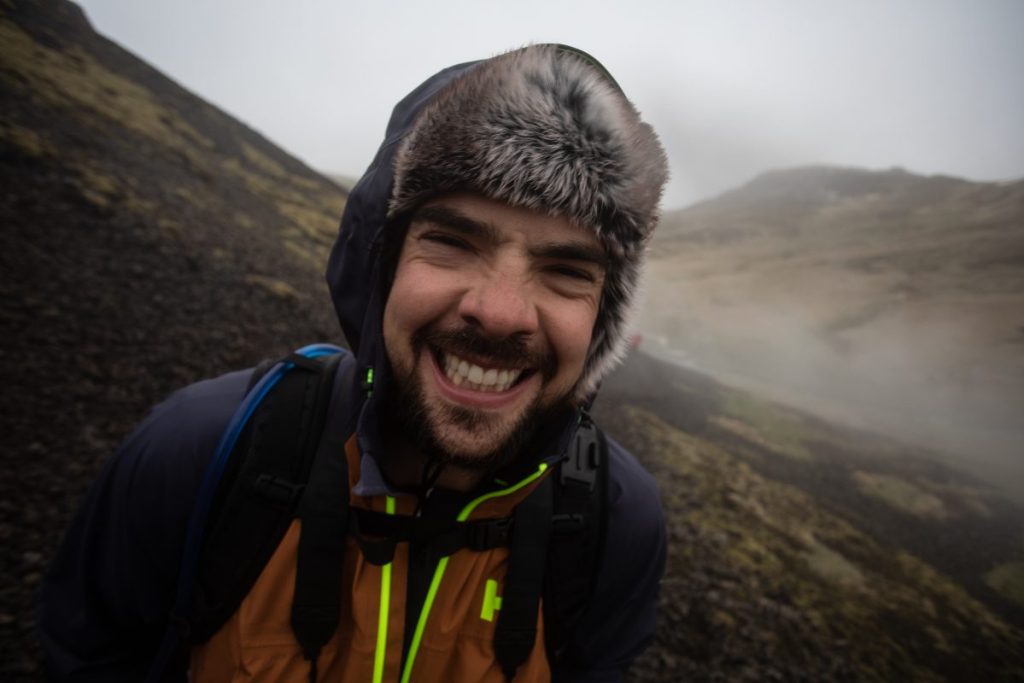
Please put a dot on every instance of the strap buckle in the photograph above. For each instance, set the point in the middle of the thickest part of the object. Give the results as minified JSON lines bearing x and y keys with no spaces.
{"x":579,"y":469}
{"x":277,"y":490}
{"x":490,"y":534}
{"x":180,"y":624}
{"x":567,"y":523}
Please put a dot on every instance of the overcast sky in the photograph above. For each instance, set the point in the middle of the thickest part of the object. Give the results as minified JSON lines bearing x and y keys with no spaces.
{"x":733,"y":88}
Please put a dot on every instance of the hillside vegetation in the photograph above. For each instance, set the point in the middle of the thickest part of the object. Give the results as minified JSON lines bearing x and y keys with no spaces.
{"x":150,"y":240}
{"x":889,"y":300}
{"x":800,"y":550}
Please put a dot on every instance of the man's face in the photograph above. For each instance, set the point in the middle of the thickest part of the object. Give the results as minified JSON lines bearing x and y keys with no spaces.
{"x":488,"y":321}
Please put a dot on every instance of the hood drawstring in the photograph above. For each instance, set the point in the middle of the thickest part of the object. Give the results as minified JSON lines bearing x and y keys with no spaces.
{"x":431,"y":473}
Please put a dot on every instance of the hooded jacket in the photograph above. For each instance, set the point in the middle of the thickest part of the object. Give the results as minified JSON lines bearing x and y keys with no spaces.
{"x":106,"y":599}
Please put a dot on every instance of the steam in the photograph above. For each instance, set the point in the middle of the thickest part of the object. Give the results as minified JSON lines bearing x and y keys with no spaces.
{"x":938,"y":380}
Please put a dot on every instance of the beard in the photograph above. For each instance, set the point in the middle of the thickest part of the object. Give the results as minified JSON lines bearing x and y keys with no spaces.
{"x":429,"y":424}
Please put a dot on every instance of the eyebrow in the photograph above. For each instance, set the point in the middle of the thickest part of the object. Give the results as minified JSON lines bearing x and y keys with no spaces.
{"x":572,"y":251}
{"x":569,"y":251}
{"x":450,"y":218}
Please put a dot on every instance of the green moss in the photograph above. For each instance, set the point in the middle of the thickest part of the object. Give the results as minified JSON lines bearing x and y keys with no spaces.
{"x":309,"y":214}
{"x":900,"y":494}
{"x":243,"y":220}
{"x":262,"y":162}
{"x":1008,"y":580}
{"x":311,"y":221}
{"x":314,"y":258}
{"x":767,"y":425}
{"x":832,"y":566}
{"x":276,"y":287}
{"x":28,"y":140}
{"x":96,"y":186}
{"x":71,"y":77}
{"x":898,"y":618}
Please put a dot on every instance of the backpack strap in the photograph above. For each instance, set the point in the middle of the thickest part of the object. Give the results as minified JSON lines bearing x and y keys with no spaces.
{"x":260,"y":494}
{"x":324,"y":512}
{"x":516,"y":631}
{"x":378,"y":534}
{"x":579,"y":521}
{"x":245,"y":472}
{"x":557,"y":540}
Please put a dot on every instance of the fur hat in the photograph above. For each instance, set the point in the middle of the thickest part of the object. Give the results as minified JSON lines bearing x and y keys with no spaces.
{"x":546,"y":128}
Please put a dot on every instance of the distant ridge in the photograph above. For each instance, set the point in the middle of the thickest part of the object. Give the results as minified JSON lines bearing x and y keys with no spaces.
{"x":781,"y":199}
{"x":824,"y":183}
{"x":886,"y":297}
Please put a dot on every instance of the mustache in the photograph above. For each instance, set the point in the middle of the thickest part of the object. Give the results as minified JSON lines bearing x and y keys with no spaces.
{"x":507,"y":351}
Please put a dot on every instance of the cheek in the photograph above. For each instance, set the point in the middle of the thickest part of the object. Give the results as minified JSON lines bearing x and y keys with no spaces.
{"x":418,"y":296}
{"x":570,"y":334}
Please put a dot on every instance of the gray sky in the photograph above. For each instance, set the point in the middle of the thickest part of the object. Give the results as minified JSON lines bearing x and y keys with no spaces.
{"x":733,"y":88}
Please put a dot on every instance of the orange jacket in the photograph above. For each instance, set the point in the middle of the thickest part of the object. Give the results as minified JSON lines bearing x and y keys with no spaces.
{"x":455,"y":629}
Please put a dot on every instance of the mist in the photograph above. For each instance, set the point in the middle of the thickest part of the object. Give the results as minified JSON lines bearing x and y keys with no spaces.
{"x":894,"y":308}
{"x":732,"y":88}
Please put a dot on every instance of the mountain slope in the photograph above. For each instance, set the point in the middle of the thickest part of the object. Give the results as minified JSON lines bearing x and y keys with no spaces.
{"x":890,"y":300}
{"x":148,"y":240}
{"x":800,"y":550}
{"x":137,"y":258}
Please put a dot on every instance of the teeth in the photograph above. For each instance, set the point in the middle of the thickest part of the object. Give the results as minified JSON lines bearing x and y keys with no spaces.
{"x":462,"y":372}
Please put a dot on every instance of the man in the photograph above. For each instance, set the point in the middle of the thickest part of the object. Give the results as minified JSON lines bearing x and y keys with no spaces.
{"x":483,"y":274}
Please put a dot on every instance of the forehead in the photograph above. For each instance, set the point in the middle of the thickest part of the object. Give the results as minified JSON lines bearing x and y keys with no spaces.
{"x":498,"y":221}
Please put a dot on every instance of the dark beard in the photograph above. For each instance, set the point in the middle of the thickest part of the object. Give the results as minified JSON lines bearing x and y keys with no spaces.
{"x":407,"y":412}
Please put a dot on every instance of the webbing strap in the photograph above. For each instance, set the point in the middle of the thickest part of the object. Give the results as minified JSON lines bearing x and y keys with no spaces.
{"x":577,"y":538}
{"x":170,"y":651}
{"x":324,"y":512}
{"x":378,"y":533}
{"x":250,"y":515}
{"x":516,"y":631}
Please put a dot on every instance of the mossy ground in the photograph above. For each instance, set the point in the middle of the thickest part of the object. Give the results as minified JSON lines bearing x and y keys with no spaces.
{"x":801,"y":562}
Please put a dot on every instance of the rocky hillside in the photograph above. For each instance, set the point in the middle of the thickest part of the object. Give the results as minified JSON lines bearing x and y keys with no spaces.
{"x":150,"y":240}
{"x":803,"y":551}
{"x":887,"y":299}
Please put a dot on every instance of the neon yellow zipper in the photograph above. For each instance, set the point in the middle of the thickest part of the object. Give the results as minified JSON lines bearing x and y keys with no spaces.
{"x":385,"y":608}
{"x":443,"y":564}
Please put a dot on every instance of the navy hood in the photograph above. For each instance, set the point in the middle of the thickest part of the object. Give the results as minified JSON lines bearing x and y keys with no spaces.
{"x":353,"y":274}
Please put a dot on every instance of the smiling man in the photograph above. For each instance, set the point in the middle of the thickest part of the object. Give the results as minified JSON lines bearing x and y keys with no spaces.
{"x":435,"y":505}
{"x":487,"y":327}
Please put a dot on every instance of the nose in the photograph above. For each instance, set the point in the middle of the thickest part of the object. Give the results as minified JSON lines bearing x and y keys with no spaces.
{"x":500,"y":305}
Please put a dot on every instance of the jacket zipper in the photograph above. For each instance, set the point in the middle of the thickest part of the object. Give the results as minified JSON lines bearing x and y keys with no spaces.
{"x":421,"y":622}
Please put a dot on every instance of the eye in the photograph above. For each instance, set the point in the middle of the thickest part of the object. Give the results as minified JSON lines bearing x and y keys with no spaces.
{"x":445,"y":238}
{"x":572,"y":272}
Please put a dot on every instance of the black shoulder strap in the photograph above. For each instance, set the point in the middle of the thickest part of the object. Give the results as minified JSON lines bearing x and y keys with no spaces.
{"x":260,"y":491}
{"x":580,"y":511}
{"x":557,"y":539}
{"x":516,"y":631}
{"x":324,"y":511}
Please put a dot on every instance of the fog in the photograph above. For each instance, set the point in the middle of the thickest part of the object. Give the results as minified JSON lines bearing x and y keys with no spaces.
{"x":942,"y":382}
{"x":733,"y":88}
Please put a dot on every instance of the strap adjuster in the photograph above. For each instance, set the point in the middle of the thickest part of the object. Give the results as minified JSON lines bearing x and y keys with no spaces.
{"x":567,"y":523}
{"x":182,"y":625}
{"x":488,"y":535}
{"x":579,"y":469}
{"x":277,"y":490}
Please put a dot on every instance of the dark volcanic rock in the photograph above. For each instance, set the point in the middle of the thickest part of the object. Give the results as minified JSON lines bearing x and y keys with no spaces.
{"x":149,"y":241}
{"x":134,"y":259}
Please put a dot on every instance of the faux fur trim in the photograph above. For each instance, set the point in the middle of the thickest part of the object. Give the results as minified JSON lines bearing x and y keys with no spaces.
{"x":542,"y":128}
